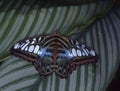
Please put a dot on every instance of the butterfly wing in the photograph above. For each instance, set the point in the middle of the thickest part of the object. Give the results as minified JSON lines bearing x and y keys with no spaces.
{"x":32,"y":50}
{"x":72,"y":55}
{"x":82,"y":54}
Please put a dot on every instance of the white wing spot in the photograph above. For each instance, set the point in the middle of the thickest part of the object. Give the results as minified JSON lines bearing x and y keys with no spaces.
{"x":31,"y":48}
{"x":33,"y":42}
{"x":27,"y":40}
{"x":78,"y":46}
{"x":39,"y":39}
{"x":34,"y":39}
{"x":79,"y":53}
{"x":36,"y":49}
{"x":24,"y":46}
{"x":83,"y":45}
{"x":26,"y":49}
{"x":92,"y":52}
{"x":85,"y":52}
{"x":77,"y":43}
{"x":70,"y":55}
{"x":39,"y":52}
{"x":74,"y":52}
{"x":16,"y":46}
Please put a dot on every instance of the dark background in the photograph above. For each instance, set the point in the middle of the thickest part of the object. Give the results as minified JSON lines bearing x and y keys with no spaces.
{"x":115,"y":84}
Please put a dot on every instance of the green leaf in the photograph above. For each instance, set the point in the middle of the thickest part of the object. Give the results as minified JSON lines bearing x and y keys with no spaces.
{"x":103,"y":35}
{"x":19,"y":20}
{"x":23,"y":18}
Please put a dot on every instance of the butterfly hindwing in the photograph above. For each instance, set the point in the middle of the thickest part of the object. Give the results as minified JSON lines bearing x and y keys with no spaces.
{"x":64,"y":68}
{"x":44,"y":67}
{"x":54,"y":53}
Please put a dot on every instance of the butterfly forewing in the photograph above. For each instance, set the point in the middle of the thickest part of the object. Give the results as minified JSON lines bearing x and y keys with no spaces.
{"x":54,"y":53}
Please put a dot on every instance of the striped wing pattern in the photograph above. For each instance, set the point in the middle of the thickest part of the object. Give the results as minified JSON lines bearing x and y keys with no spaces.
{"x":54,"y":53}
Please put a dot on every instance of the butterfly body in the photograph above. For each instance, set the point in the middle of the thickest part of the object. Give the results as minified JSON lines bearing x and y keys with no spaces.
{"x":54,"y":53}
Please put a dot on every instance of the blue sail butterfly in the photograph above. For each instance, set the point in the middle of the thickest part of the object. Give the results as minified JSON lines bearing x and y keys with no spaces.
{"x":54,"y":53}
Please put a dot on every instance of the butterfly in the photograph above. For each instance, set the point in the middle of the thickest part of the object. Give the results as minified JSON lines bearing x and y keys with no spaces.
{"x":54,"y":53}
